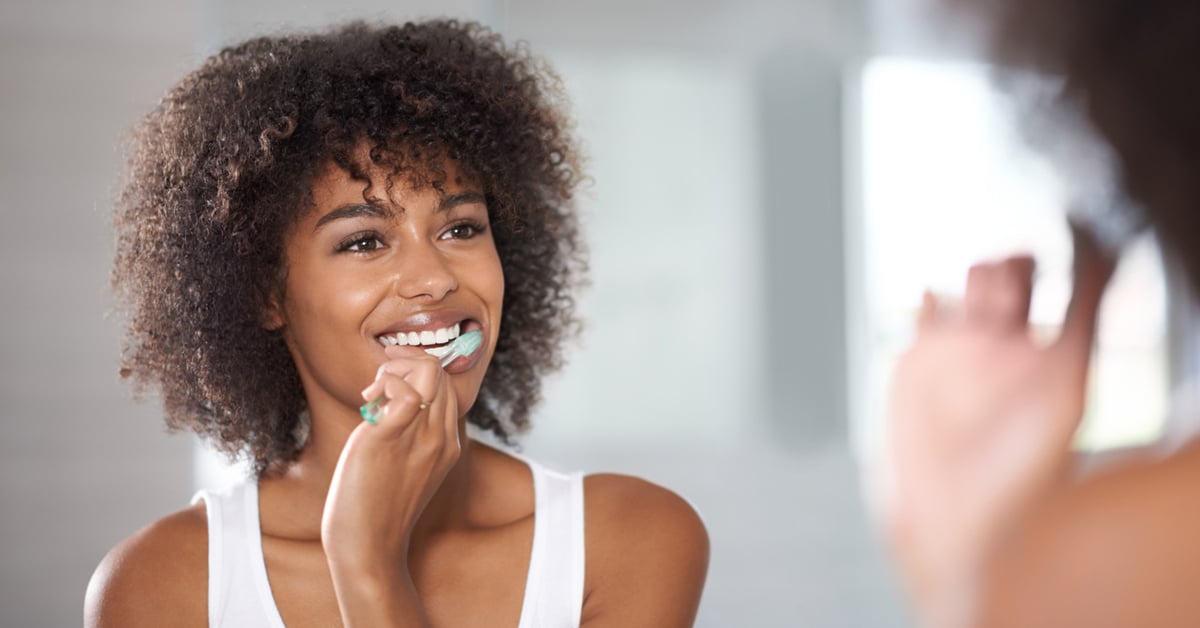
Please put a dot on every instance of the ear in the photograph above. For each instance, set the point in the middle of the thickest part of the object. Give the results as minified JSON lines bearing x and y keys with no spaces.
{"x":271,"y":313}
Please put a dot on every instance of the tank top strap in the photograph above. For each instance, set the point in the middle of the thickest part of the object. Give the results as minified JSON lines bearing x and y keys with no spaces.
{"x":554,"y":585}
{"x":239,"y":594}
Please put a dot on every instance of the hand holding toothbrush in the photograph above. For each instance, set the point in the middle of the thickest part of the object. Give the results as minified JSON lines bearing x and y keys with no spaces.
{"x":391,"y":466}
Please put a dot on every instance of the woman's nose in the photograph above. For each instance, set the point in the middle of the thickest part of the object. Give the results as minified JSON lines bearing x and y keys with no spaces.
{"x":424,"y":272}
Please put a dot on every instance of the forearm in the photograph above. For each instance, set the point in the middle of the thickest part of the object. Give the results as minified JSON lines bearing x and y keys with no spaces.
{"x":378,"y":598}
{"x":942,"y":583}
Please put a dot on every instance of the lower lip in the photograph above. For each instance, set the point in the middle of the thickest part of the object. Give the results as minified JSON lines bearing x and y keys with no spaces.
{"x":460,"y":365}
{"x":465,"y":363}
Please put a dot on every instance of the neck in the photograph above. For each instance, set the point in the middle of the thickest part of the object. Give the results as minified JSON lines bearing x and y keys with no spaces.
{"x":313,"y":470}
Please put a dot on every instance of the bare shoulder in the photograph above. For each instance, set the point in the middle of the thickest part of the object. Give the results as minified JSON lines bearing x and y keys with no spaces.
{"x":647,"y":554}
{"x":631,"y":509}
{"x":156,"y":577}
{"x":1120,"y":546}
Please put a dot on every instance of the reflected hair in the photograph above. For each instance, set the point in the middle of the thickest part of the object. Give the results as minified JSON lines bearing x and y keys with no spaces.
{"x":1124,"y":70}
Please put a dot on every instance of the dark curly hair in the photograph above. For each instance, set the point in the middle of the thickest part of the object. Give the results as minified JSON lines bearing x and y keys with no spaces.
{"x":223,"y":166}
{"x":1128,"y":70}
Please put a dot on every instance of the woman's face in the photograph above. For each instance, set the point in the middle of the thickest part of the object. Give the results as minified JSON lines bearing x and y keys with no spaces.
{"x":413,"y":262}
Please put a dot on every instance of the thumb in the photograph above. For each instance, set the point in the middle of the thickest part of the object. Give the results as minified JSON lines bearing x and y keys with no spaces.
{"x":1093,"y":268}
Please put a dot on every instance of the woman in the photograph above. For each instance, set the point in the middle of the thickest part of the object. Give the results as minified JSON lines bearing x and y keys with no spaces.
{"x":989,"y":526}
{"x":309,"y":218}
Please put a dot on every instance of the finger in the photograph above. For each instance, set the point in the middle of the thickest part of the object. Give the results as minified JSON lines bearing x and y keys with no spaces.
{"x":421,"y":370}
{"x":1093,"y":268}
{"x":1018,"y":279}
{"x":927,"y":316}
{"x":403,"y":405}
{"x":976,"y":297}
{"x":998,"y":294}
{"x":375,"y":388}
{"x":390,"y":384}
{"x":937,"y":311}
{"x":423,"y":375}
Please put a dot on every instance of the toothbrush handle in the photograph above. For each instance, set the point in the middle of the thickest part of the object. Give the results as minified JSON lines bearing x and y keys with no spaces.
{"x":450,"y":357}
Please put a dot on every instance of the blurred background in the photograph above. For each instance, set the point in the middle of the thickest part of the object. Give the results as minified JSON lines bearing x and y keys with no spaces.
{"x":775,"y":183}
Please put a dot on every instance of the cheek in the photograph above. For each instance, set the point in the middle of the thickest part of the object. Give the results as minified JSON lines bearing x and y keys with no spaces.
{"x":320,"y":302}
{"x":495,"y":271}
{"x":497,"y":282}
{"x":482,"y":275}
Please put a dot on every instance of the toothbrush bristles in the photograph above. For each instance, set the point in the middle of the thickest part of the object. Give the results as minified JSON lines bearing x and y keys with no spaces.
{"x":465,"y":344}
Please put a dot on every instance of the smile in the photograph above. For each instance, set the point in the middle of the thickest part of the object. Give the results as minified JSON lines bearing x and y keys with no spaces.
{"x":435,"y":341}
{"x":427,"y":338}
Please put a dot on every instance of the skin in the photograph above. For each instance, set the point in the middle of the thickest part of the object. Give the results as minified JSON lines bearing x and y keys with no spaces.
{"x":404,"y":522}
{"x":988,"y":523}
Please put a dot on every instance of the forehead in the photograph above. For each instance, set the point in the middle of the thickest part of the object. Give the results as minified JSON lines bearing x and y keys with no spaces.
{"x":379,"y":184}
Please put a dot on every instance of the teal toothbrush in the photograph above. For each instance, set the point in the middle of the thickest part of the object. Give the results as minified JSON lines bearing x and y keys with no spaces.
{"x":462,"y":346}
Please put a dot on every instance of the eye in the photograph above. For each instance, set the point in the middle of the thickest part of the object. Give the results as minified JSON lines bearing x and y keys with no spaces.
{"x":464,"y":231}
{"x":361,"y":243}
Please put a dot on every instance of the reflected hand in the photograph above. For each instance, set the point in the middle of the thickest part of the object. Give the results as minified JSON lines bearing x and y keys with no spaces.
{"x":980,"y":423}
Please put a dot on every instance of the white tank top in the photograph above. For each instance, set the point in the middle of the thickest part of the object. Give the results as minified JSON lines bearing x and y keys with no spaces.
{"x":239,"y":595}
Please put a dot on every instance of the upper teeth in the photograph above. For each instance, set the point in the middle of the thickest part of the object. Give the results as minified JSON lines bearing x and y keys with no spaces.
{"x":426,"y":338}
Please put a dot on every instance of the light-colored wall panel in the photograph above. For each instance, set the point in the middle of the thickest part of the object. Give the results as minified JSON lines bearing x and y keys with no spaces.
{"x":80,"y":465}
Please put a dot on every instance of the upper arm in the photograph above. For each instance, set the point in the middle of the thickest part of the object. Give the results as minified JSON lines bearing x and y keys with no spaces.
{"x":647,"y":554}
{"x":1120,"y":549}
{"x":157,"y":577}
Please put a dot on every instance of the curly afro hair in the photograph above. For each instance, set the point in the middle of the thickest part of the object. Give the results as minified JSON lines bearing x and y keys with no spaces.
{"x":223,"y":166}
{"x":1128,"y":71}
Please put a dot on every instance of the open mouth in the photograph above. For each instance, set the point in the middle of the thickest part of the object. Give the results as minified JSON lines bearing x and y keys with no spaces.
{"x":435,"y":342}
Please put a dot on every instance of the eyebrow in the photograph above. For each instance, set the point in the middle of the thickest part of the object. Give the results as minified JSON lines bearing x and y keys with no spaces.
{"x":376,"y":211}
{"x":461,"y":198}
{"x":352,"y":211}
